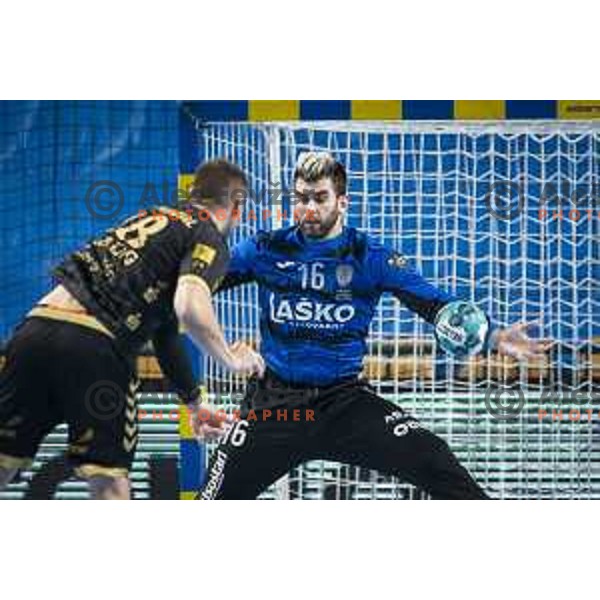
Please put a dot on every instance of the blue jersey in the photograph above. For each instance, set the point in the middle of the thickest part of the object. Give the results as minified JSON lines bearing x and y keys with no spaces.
{"x":317,"y":299}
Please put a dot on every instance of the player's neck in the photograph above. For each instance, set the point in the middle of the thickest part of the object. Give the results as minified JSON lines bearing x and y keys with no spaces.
{"x":220,"y":224}
{"x":334,"y":233}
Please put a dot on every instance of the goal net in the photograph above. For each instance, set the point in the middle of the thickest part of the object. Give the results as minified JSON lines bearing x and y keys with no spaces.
{"x":503,"y":214}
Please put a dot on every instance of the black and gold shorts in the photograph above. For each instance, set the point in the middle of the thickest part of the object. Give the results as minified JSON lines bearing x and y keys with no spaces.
{"x":63,"y":367}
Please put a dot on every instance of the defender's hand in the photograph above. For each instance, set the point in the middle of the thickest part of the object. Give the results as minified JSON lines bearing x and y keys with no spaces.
{"x":208,"y":422}
{"x":246,"y":361}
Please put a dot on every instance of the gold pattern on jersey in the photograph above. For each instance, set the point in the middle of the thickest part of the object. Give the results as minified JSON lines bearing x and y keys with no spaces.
{"x":82,"y":443}
{"x":130,"y":436}
{"x":120,"y":246}
{"x":151,"y":294}
{"x":133,"y":321}
{"x":136,"y":233}
{"x":70,"y":316}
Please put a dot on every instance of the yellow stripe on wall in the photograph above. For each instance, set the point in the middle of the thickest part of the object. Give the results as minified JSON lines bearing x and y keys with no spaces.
{"x":274,"y":110}
{"x":579,"y":109}
{"x":479,"y":109}
{"x":376,"y":109}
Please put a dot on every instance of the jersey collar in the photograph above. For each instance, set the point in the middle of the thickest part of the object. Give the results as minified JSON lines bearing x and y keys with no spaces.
{"x":320,"y":245}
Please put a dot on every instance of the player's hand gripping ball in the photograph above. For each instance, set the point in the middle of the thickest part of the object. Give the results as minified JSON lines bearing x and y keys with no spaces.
{"x":461,"y":328}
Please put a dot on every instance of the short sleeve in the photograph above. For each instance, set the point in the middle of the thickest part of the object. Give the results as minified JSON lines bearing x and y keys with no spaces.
{"x":207,"y":258}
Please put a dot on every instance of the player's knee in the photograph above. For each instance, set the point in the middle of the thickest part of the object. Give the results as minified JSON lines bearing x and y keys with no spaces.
{"x":109,"y":488}
{"x":441,"y":457}
{"x":441,"y":447}
{"x":438,"y":450}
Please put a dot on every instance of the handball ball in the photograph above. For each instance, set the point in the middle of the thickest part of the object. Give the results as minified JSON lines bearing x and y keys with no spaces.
{"x":461,"y":328}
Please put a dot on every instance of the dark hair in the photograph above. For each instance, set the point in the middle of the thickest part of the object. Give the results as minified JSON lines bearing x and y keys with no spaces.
{"x":312,"y":166}
{"x":212,"y":179}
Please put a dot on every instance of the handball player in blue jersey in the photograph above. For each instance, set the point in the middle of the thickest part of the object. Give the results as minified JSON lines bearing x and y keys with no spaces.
{"x":319,"y":283}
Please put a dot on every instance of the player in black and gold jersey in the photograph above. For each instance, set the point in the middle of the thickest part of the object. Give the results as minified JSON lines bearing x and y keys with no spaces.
{"x":72,"y":359}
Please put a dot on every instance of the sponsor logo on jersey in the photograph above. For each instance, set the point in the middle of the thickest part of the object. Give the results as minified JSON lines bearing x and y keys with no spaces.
{"x":286,"y":264}
{"x":312,"y":314}
{"x":397,"y":260}
{"x":215,"y":476}
{"x":204,"y":253}
{"x":401,"y":423}
{"x":344,"y":274}
{"x":402,"y":429}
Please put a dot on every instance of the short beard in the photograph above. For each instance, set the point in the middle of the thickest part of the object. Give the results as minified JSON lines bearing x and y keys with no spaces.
{"x":324,"y":227}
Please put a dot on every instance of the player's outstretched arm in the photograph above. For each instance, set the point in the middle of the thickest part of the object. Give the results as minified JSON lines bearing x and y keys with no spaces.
{"x":514,"y":341}
{"x":194,"y":309}
{"x":428,"y":301}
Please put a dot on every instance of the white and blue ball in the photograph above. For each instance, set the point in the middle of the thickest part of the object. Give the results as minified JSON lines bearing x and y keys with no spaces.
{"x":461,"y":328}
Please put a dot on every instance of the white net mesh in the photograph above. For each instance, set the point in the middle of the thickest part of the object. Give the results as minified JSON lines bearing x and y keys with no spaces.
{"x":427,"y":190}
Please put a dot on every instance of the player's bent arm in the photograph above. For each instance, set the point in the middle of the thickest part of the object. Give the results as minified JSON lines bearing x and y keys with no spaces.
{"x":174,"y":360}
{"x":194,"y":309}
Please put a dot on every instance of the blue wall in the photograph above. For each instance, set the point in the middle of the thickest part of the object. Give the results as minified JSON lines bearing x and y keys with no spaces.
{"x":50,"y":154}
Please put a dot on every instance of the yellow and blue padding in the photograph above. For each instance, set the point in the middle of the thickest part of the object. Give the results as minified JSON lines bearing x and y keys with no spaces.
{"x":406,"y":110}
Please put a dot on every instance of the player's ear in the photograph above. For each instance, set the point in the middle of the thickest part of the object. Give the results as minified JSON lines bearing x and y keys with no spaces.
{"x":344,"y":202}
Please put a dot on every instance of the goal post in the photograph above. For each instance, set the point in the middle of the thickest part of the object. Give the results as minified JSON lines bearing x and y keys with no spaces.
{"x":503,"y":214}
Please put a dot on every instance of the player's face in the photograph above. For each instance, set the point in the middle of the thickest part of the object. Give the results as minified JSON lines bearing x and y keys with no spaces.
{"x":318,"y":209}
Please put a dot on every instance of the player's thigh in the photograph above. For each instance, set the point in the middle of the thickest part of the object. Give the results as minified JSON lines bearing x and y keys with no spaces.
{"x":97,"y":387}
{"x":251,"y":457}
{"x":26,"y":413}
{"x":109,"y":488}
{"x":364,"y":428}
{"x":375,"y":433}
{"x":430,"y":465}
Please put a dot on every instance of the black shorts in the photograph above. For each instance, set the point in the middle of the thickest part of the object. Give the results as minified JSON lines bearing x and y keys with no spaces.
{"x":60,"y":372}
{"x":282,"y":427}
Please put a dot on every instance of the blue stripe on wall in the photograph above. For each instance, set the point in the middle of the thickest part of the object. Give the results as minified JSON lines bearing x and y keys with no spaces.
{"x":531,"y":109}
{"x":427,"y":109}
{"x":325,"y":109}
{"x":220,"y":110}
